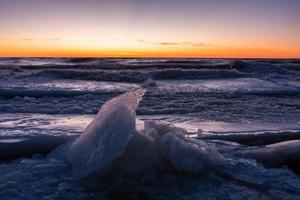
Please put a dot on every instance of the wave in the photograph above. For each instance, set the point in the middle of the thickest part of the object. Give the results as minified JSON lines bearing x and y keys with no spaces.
{"x":222,"y":105}
{"x":14,"y":92}
{"x":137,"y":75}
{"x":98,"y":75}
{"x":139,"y":70}
{"x":194,"y":74}
{"x":155,"y":91}
{"x":257,"y":67}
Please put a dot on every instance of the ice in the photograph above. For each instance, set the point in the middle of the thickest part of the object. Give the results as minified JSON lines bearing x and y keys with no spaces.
{"x":162,"y":128}
{"x":255,"y":138}
{"x":188,"y":155}
{"x":278,"y":154}
{"x":258,"y":100}
{"x":12,"y":149}
{"x":111,"y":141}
{"x":106,"y":137}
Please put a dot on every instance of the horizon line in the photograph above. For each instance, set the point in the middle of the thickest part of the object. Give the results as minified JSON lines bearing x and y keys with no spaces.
{"x":154,"y":57}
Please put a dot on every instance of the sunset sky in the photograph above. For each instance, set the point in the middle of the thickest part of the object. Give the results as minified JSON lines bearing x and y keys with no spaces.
{"x":150,"y":28}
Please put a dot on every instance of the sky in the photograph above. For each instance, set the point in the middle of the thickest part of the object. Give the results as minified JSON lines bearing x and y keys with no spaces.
{"x":150,"y":28}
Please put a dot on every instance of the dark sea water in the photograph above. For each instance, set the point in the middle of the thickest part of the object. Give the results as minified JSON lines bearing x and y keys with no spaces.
{"x":60,"y":96}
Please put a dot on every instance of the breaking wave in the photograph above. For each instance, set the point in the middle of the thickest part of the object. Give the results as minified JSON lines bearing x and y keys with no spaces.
{"x":139,"y":70}
{"x":137,"y":76}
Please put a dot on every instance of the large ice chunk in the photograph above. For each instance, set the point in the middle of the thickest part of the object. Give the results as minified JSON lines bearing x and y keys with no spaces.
{"x":187,"y":154}
{"x":278,"y":154}
{"x":106,"y":138}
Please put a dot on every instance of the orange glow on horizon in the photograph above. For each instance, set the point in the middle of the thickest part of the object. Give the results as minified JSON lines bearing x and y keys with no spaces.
{"x":135,"y":48}
{"x":221,"y":52}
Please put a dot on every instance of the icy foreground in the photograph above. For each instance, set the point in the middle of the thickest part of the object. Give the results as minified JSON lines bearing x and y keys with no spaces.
{"x":158,"y":162}
{"x":112,"y":148}
{"x":112,"y":142}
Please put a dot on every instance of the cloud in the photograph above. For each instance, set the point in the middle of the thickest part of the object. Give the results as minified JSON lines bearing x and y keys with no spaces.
{"x":157,"y":43}
{"x":183,"y":43}
{"x":196,"y":44}
{"x":51,"y":39}
{"x":30,"y":39}
{"x":169,"y":43}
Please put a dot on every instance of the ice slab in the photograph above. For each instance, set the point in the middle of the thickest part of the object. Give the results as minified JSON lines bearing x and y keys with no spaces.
{"x":106,"y":138}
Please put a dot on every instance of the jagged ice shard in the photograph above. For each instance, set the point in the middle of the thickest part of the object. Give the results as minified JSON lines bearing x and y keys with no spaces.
{"x":106,"y":137}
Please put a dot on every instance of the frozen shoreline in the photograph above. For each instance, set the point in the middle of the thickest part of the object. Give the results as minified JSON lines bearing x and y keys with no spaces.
{"x":256,"y":108}
{"x":236,"y":174}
